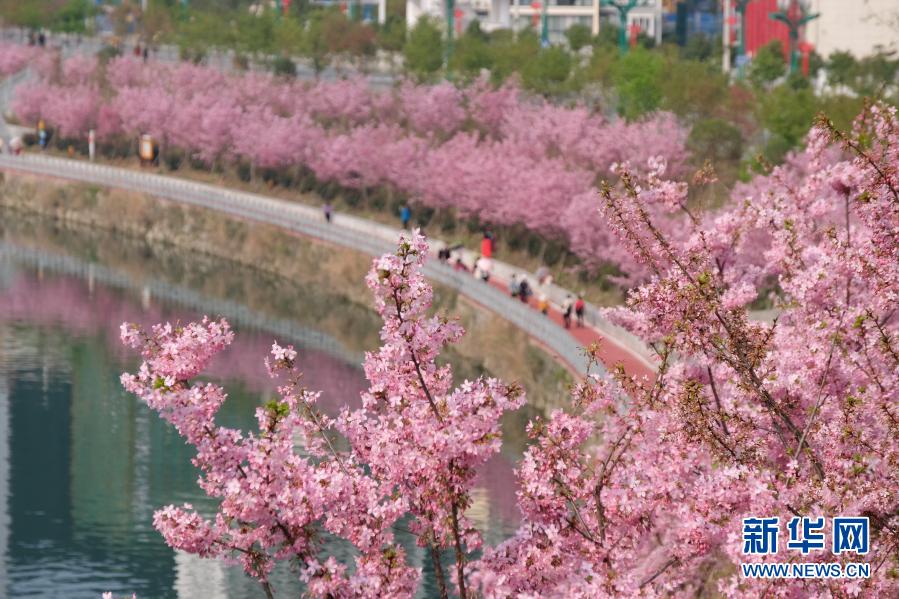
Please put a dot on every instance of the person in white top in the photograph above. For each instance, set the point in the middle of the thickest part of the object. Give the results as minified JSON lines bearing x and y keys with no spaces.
{"x":483,"y":268}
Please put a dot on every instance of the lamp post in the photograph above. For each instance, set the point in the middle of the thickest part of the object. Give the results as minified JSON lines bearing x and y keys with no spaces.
{"x":794,"y":15}
{"x":624,"y":7}
{"x":740,"y":7}
{"x":450,"y":28}
{"x":544,"y":25}
{"x":725,"y":39}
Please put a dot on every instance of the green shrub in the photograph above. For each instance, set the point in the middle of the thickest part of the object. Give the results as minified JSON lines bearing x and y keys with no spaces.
{"x":553,"y":252}
{"x":715,"y":140}
{"x":534,"y":244}
{"x":284,"y":67}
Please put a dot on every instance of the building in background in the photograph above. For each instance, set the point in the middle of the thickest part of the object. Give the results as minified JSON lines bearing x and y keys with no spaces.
{"x":761,"y":29}
{"x":522,"y":14}
{"x":416,"y":9}
{"x":860,"y":27}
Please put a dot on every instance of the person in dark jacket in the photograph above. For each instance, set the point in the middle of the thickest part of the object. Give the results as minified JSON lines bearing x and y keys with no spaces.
{"x":524,"y":290}
{"x":580,"y":307}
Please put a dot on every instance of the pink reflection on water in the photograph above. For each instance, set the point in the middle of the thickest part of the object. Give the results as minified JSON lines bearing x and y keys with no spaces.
{"x":68,"y":303}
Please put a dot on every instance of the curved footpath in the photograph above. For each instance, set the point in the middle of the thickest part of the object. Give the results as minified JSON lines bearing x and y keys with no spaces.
{"x":616,"y":344}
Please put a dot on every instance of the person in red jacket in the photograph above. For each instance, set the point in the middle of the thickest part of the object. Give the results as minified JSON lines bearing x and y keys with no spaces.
{"x":487,"y":245}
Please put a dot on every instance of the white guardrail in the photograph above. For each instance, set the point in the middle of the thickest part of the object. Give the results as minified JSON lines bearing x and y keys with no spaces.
{"x":346,"y":231}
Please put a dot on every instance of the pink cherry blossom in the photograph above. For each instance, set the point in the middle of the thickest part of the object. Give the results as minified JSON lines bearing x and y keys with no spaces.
{"x":414,"y":447}
{"x":496,"y":154}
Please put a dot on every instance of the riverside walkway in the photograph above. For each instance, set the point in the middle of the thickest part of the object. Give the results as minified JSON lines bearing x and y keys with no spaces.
{"x":616,"y":345}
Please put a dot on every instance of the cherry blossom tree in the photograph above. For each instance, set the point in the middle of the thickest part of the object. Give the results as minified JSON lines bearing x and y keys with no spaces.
{"x":794,"y":418}
{"x":494,"y":154}
{"x":415,"y":445}
{"x":14,"y":58}
{"x":641,"y":486}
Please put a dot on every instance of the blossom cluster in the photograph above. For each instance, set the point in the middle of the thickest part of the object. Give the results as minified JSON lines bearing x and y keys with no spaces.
{"x":642,"y":491}
{"x":640,"y":488}
{"x":414,"y":448}
{"x":15,"y":57}
{"x":491,"y":153}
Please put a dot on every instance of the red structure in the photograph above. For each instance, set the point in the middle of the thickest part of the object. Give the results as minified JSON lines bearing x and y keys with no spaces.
{"x":761,"y":29}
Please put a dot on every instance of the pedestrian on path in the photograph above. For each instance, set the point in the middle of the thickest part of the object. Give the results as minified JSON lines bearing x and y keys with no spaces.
{"x":513,"y":286}
{"x":487,"y":245}
{"x":482,"y":268}
{"x":567,"y":305}
{"x":42,"y":134}
{"x":327,"y":209}
{"x":543,"y":304}
{"x":405,"y":215}
{"x":524,"y":290}
{"x":579,"y":308}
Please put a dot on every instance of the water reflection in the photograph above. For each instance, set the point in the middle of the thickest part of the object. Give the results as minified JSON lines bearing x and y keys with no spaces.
{"x":83,"y":465}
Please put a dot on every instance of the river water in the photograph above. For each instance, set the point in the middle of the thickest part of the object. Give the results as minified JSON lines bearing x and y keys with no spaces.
{"x":83,"y":465}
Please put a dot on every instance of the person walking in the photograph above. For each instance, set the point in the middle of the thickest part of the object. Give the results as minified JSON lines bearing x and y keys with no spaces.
{"x":513,"y":286}
{"x":405,"y":215}
{"x":483,"y":266}
{"x":327,"y":209}
{"x":42,"y":134}
{"x":543,"y":304}
{"x":580,"y":307}
{"x":487,"y":245}
{"x":524,"y":290}
{"x":567,"y":306}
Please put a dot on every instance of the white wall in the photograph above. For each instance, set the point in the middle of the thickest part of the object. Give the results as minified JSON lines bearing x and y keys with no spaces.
{"x":415,"y":9}
{"x":856,"y":26}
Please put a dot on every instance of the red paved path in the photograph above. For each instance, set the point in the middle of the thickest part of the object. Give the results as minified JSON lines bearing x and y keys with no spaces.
{"x":610,"y":352}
